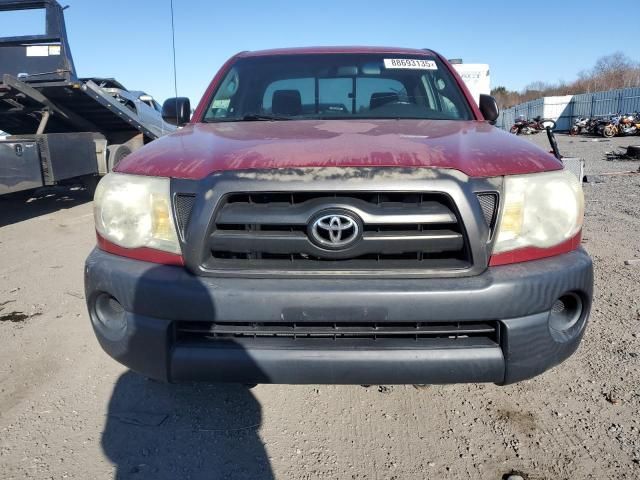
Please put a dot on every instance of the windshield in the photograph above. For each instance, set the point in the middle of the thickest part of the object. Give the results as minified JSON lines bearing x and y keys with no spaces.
{"x":341,"y":86}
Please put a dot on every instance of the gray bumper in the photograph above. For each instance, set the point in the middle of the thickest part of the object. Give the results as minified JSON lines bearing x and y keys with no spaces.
{"x":519,"y":296}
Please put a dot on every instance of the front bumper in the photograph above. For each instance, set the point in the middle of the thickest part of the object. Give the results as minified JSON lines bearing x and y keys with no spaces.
{"x":519,"y":297}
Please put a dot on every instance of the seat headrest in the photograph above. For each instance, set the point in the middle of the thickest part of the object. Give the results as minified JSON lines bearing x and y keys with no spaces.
{"x":379,"y":99}
{"x":286,"y":102}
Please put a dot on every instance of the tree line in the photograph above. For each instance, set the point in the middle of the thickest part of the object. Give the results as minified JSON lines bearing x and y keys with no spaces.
{"x":609,"y":72}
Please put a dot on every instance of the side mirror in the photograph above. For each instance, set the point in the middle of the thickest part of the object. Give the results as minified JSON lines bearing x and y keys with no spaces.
{"x":177,"y":111}
{"x":489,"y":108}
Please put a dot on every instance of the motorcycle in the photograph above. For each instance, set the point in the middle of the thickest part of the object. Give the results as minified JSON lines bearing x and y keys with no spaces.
{"x":589,"y":126}
{"x":599,"y":125}
{"x":611,"y":128}
{"x":622,"y":125}
{"x":629,"y":124}
{"x":581,"y":125}
{"x":527,"y":127}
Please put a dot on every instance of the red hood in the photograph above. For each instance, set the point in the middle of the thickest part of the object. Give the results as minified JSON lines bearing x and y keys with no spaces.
{"x":472,"y":147}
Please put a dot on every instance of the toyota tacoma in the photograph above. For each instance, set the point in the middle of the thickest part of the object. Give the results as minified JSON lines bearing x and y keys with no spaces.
{"x":339,"y":215}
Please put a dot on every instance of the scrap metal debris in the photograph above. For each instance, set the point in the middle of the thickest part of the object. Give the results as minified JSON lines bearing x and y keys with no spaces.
{"x":599,"y":178}
{"x":631,"y":153}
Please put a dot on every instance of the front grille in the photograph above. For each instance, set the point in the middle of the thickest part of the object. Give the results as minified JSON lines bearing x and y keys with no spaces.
{"x":256,"y":332}
{"x":270,"y":231}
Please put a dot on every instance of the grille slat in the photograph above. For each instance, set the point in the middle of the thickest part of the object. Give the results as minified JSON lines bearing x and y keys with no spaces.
{"x":280,"y":213}
{"x":372,"y":242}
{"x":265,"y":231}
{"x":332,"y":330}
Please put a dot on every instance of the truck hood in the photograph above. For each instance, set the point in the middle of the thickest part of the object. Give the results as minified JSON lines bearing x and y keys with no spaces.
{"x":472,"y":147}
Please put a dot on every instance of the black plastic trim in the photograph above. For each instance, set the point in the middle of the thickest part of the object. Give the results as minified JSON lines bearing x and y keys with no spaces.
{"x":419,"y":366}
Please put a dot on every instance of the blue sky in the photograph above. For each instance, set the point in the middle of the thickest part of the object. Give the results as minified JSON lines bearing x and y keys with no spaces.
{"x":522,"y":41}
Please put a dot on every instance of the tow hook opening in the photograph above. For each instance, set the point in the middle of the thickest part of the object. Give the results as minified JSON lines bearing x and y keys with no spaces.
{"x":566,"y":317}
{"x":109,"y":317}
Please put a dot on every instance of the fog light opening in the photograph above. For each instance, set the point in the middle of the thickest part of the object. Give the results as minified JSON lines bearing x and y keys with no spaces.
{"x":110,"y":317}
{"x":565,"y":317}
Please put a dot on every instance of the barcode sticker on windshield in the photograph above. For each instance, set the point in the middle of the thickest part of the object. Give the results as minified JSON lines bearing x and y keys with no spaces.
{"x":410,"y":63}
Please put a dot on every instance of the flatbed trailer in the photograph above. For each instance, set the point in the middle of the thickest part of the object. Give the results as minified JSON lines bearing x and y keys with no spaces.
{"x":60,"y":127}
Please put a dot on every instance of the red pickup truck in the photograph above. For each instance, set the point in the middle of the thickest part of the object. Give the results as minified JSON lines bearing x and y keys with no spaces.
{"x":339,"y":215}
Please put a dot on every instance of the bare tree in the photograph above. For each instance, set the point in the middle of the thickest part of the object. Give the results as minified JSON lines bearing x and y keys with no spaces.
{"x":609,"y":72}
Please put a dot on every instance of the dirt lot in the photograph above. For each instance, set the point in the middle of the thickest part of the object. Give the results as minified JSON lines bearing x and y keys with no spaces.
{"x":68,"y":411}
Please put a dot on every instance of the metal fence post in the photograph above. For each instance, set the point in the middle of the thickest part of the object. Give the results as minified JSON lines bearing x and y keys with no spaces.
{"x":620,"y":102}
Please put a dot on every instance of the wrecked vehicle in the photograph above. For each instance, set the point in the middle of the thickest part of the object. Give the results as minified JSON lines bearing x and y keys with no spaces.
{"x":339,"y":215}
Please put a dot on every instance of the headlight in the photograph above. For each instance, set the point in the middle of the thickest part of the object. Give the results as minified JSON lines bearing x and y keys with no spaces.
{"x":134,"y":211}
{"x":539,"y":210}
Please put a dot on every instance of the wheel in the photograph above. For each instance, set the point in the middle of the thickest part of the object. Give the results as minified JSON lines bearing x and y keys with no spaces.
{"x":115,"y":153}
{"x":633,"y":151}
{"x":609,"y":131}
{"x":514,"y":130}
{"x":574,"y":131}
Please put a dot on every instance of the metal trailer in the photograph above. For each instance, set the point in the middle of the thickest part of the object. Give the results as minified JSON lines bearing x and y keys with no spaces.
{"x":60,"y":127}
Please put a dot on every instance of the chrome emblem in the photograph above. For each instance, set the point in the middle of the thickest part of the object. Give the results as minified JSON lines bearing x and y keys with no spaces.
{"x":335,"y":230}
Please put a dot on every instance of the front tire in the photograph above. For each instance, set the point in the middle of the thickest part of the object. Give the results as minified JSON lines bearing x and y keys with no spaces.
{"x":609,"y":131}
{"x":514,"y":130}
{"x":574,"y":131}
{"x":115,"y":153}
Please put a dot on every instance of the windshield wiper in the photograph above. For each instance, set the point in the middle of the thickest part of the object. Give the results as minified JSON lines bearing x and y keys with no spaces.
{"x":250,"y":117}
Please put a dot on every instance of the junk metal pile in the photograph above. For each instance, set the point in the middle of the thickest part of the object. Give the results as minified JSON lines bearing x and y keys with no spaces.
{"x":618,"y":125}
{"x":609,"y":126}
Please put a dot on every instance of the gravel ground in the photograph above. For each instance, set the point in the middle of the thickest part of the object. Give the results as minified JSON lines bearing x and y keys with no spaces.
{"x":68,"y":411}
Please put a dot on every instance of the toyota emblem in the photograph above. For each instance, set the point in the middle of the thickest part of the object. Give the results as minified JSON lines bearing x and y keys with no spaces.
{"x":335,"y":230}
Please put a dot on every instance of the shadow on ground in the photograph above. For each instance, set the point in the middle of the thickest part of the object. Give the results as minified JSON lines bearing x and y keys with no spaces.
{"x":18,"y":207}
{"x":195,"y":431}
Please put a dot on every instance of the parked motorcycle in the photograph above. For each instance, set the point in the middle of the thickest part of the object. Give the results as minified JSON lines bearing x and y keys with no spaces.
{"x":600,"y":124}
{"x":590,"y":126}
{"x":527,"y":127}
{"x":629,"y":124}
{"x":622,"y":125}
{"x":582,"y":125}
